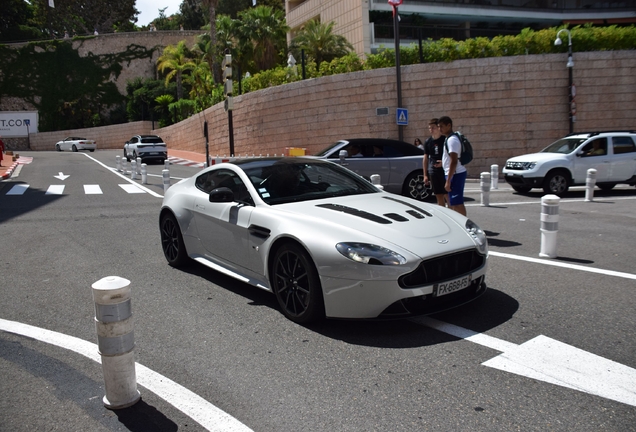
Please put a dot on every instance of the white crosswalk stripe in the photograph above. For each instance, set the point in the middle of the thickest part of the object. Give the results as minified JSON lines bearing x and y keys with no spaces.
{"x":55,"y":190}
{"x":92,"y":190}
{"x":18,"y":189}
{"x":131,"y":188}
{"x":184,"y":162}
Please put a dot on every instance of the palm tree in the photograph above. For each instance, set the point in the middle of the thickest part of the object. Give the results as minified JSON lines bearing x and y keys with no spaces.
{"x":320,"y":43}
{"x":214,"y":66}
{"x":177,"y":60}
{"x":264,"y":31}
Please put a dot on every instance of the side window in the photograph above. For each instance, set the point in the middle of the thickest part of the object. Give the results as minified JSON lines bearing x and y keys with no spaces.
{"x":224,"y":178}
{"x":133,"y":140}
{"x":598,"y":147}
{"x":623,"y":145}
{"x":391,"y":152}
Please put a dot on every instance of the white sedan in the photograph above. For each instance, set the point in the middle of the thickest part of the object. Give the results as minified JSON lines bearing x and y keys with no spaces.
{"x":76,"y":144}
{"x":324,"y":240}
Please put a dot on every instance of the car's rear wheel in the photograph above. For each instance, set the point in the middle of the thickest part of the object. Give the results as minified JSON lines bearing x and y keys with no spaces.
{"x":74,"y":148}
{"x":556,"y":182}
{"x":172,"y":241}
{"x":522,"y":189}
{"x":414,"y":187}
{"x":606,"y":186}
{"x":295,"y":282}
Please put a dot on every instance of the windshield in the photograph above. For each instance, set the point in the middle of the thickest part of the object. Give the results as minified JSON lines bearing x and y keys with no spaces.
{"x":327,"y":150}
{"x":564,"y":145}
{"x":280,"y":181}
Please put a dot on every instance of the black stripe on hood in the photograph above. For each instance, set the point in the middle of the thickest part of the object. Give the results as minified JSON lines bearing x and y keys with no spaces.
{"x":355,"y":212}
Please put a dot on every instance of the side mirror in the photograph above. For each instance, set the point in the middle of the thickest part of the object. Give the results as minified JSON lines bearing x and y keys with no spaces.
{"x":221,"y":195}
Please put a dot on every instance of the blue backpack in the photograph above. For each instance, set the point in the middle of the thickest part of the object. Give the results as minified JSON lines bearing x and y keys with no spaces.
{"x":467,"y":148}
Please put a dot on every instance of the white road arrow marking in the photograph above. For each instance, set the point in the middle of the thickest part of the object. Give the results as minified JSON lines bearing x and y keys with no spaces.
{"x":554,"y":362}
{"x":62,"y":176}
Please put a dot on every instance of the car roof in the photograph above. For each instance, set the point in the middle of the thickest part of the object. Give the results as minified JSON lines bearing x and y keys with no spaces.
{"x":596,"y":133}
{"x":404,"y":147}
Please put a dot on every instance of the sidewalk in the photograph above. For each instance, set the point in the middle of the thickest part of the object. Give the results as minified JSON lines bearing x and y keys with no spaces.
{"x":8,"y":165}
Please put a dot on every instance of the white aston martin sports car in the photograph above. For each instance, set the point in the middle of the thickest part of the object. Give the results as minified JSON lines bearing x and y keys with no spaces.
{"x":324,"y":240}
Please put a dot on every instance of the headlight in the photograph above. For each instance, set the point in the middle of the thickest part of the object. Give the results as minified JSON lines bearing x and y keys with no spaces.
{"x":529,"y":165}
{"x":478,"y":235}
{"x":520,"y":165}
{"x":370,"y":254}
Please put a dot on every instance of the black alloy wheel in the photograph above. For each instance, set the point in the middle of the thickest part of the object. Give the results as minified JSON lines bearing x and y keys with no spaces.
{"x":295,"y":281}
{"x":414,"y":187}
{"x":172,"y":241}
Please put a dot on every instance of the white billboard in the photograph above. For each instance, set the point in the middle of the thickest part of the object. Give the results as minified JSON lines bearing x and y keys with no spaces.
{"x":15,"y":124}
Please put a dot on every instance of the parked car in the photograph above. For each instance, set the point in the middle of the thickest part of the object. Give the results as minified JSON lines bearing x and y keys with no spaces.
{"x":324,"y":240}
{"x":146,"y":147}
{"x":75,"y":144}
{"x":398,"y":163}
{"x":565,"y":162}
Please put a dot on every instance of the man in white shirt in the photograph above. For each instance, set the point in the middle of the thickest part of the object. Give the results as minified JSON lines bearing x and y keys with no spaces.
{"x":454,"y":171}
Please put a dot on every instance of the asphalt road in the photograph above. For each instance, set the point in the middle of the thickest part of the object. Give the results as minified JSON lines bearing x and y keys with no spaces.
{"x":568,"y":321}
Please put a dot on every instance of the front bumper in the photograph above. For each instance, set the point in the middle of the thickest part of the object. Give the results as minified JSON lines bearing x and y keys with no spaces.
{"x":518,"y":180}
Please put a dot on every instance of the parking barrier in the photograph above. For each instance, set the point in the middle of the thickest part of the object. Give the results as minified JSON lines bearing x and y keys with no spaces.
{"x":144,"y":173}
{"x":166,"y":179}
{"x":484,"y":180}
{"x":118,"y":163}
{"x":139,"y":166}
{"x":494,"y":173}
{"x":166,"y":164}
{"x":590,"y":182}
{"x":549,"y":225}
{"x":133,"y":169}
{"x":116,"y":342}
{"x":124,"y":165}
{"x":376,"y":180}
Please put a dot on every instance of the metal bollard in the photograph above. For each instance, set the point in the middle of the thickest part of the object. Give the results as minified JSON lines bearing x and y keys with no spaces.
{"x":133,"y":169}
{"x":590,"y":182}
{"x":118,"y":163}
{"x":375,"y":181}
{"x":144,"y":173}
{"x":139,"y":165}
{"x":166,"y":164}
{"x":116,"y":342}
{"x":484,"y":180}
{"x":549,"y":225}
{"x":494,"y":173}
{"x":166,"y":179}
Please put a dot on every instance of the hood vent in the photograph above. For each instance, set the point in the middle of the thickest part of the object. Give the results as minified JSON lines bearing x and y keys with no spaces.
{"x":396,"y":217}
{"x":355,"y":212}
{"x":414,"y":207}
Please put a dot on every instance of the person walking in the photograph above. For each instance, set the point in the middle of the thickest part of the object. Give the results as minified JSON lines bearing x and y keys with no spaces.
{"x":432,"y":163}
{"x":453,"y":169}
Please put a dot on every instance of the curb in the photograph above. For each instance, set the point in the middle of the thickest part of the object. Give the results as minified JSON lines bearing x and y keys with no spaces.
{"x":8,"y":173}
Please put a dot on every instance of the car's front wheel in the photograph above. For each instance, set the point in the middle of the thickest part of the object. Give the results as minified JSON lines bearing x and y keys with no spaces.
{"x":57,"y":147}
{"x":414,"y":187}
{"x":74,"y":148}
{"x":172,"y":241}
{"x":295,"y":282}
{"x":556,"y":182}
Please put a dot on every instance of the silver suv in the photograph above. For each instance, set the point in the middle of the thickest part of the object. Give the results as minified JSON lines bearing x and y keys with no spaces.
{"x":565,"y":162}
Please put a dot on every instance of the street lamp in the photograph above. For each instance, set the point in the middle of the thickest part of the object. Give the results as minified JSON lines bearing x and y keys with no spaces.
{"x":570,"y":66}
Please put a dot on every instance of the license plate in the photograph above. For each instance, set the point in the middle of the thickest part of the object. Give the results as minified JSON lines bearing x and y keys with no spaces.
{"x":153,"y":153}
{"x":451,"y":286}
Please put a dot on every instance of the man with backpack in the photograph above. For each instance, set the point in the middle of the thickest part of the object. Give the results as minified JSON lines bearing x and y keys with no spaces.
{"x":454,"y":171}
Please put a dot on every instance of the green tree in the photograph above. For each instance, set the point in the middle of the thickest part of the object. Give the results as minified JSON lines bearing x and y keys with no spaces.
{"x":83,"y":17}
{"x":175,"y":58}
{"x":210,"y":7}
{"x":263,"y":36}
{"x":320,"y":43}
{"x":14,"y":21}
{"x":192,"y":15}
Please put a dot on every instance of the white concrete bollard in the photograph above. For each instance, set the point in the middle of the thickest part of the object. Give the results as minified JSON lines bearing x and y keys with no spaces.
{"x":144,"y":173}
{"x":166,"y":164}
{"x":590,"y":182}
{"x":116,"y":342}
{"x":118,"y":163}
{"x":375,"y":181}
{"x":124,"y":166}
{"x":133,"y":169}
{"x":494,"y":173}
{"x":549,"y":225}
{"x":139,"y":166}
{"x":166,"y":179}
{"x":484,"y":180}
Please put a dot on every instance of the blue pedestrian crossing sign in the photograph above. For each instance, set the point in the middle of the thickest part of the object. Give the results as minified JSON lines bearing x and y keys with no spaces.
{"x":402,"y":116}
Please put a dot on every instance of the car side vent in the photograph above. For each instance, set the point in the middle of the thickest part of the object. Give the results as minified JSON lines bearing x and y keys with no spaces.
{"x":414,"y":207}
{"x":355,"y":212}
{"x":396,"y":217}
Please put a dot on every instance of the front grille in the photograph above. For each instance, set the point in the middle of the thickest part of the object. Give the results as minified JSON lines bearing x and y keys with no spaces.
{"x":443,"y":268}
